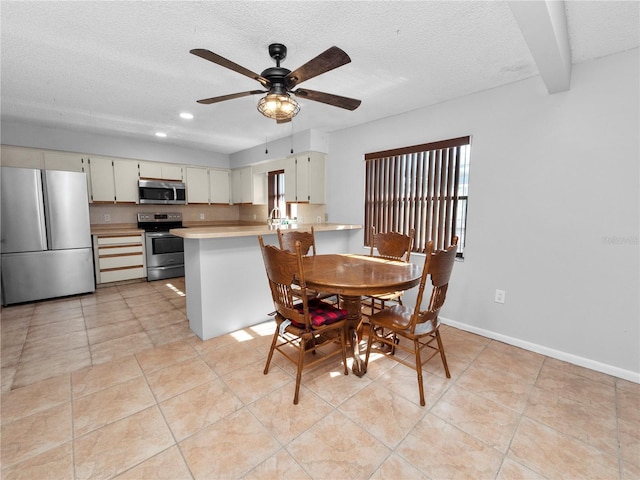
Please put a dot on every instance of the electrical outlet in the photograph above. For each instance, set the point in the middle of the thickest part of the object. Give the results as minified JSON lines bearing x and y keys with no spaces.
{"x":499,"y":298}
{"x":202,"y":216}
{"x":318,"y":219}
{"x":107,"y":217}
{"x":254,"y":216}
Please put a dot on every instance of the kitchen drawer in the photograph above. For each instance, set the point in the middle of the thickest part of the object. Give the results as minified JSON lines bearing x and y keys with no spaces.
{"x":120,"y":274}
{"x":119,"y":239}
{"x":112,"y":250}
{"x":118,"y":261}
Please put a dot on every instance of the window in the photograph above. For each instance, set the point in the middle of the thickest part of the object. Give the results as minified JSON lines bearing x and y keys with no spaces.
{"x":276,"y":192}
{"x":424,"y":187}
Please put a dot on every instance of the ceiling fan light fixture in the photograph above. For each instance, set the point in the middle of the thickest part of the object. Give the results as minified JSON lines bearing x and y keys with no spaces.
{"x":279,"y":106}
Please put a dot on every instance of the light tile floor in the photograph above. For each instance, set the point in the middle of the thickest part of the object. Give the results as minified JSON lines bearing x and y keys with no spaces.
{"x":115,"y":385}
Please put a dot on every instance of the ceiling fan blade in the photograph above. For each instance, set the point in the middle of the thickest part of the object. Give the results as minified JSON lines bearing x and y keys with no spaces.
{"x":332,"y":58}
{"x":328,"y":98}
{"x":215,"y":58}
{"x":207,"y":101}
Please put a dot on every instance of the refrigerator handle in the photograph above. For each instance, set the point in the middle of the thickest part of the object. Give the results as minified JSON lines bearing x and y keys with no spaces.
{"x":44,"y":215}
{"x":43,"y":232}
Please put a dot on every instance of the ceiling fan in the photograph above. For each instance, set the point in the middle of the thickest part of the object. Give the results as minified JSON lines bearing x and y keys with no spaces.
{"x":280,"y":82}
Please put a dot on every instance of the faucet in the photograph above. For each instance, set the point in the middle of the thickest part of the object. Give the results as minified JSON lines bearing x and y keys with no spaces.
{"x":272,"y":215}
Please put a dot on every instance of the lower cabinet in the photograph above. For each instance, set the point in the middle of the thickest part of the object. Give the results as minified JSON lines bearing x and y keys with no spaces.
{"x":119,"y":257}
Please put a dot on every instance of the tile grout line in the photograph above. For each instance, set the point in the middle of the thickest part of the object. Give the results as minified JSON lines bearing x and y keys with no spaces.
{"x":521,"y":415}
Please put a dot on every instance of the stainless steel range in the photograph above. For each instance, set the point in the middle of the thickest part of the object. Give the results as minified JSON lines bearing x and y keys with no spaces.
{"x":164,"y":251}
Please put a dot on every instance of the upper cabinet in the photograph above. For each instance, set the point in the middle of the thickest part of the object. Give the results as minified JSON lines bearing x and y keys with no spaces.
{"x":103,"y":188}
{"x":260,"y":189}
{"x":125,"y":176}
{"x":113,"y":180}
{"x":68,"y":162}
{"x":197,"y":185}
{"x":219,"y":191}
{"x":161,"y":171}
{"x":305,"y":178}
{"x":21,"y":157}
{"x":207,"y":185}
{"x":242,"y":185}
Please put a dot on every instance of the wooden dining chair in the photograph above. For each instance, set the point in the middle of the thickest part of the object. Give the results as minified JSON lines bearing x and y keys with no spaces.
{"x":306,"y":324}
{"x":392,"y":246}
{"x":287,"y":240}
{"x":420,"y":327}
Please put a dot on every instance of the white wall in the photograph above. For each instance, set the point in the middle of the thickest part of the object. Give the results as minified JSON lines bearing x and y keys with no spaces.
{"x":553,"y":209}
{"x":305,"y":141}
{"x":36,"y":136}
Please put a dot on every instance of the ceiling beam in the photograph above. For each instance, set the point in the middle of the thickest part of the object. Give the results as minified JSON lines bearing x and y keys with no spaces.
{"x":544,"y":26}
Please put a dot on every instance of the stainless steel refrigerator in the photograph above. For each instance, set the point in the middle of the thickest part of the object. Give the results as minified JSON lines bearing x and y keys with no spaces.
{"x":45,"y":239}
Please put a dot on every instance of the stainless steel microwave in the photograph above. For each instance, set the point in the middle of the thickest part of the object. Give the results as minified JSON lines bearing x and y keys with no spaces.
{"x":162,"y":192}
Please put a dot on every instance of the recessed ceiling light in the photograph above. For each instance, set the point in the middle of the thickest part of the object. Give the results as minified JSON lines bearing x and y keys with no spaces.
{"x":161,"y":134}
{"x":186,"y":116}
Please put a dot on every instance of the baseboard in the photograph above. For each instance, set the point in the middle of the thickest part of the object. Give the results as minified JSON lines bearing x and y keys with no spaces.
{"x":549,"y":352}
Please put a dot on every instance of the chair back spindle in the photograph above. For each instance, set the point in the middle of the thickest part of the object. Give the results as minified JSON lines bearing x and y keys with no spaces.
{"x":307,"y":241}
{"x":392,"y":245}
{"x":288,"y":239}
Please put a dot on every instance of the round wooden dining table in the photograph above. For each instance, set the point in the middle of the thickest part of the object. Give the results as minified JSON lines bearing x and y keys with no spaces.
{"x":352,"y":276}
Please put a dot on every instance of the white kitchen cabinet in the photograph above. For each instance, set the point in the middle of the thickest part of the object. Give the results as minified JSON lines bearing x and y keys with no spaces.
{"x":125,"y":177}
{"x":198,"y":185}
{"x":68,"y":162}
{"x":260,"y":189}
{"x":118,"y":257}
{"x":103,"y":188}
{"x":172,"y":172}
{"x":219,"y":190}
{"x":21,"y":157}
{"x":304,"y":176}
{"x":161,"y":171}
{"x":317,"y":178}
{"x":150,"y":170}
{"x":113,"y":180}
{"x":242,"y":185}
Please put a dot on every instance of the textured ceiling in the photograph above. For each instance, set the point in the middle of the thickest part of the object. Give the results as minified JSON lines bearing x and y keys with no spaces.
{"x":124,"y":68}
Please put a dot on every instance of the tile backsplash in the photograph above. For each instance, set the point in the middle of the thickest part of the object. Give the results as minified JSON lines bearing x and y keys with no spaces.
{"x":118,"y":214}
{"x":112,"y":214}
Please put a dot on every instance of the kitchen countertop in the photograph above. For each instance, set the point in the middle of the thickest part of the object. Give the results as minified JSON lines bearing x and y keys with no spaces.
{"x":254,"y":230}
{"x":132,"y":228}
{"x":116,"y":229}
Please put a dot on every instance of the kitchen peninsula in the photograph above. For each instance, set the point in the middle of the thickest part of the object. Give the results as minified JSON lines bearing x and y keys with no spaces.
{"x":225,"y":279}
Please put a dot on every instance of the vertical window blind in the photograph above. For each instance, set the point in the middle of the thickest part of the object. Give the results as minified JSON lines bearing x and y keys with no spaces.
{"x":275,"y":192}
{"x":423,"y":187}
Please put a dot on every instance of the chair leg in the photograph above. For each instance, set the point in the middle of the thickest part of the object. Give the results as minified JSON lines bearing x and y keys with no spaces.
{"x":416,"y":346}
{"x":442,"y":355}
{"x":301,"y":352}
{"x":396,"y":341}
{"x":273,"y":347}
{"x":369,"y":343}
{"x":343,"y":344}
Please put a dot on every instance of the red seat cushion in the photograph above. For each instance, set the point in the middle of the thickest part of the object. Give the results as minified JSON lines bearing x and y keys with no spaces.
{"x":321,"y":313}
